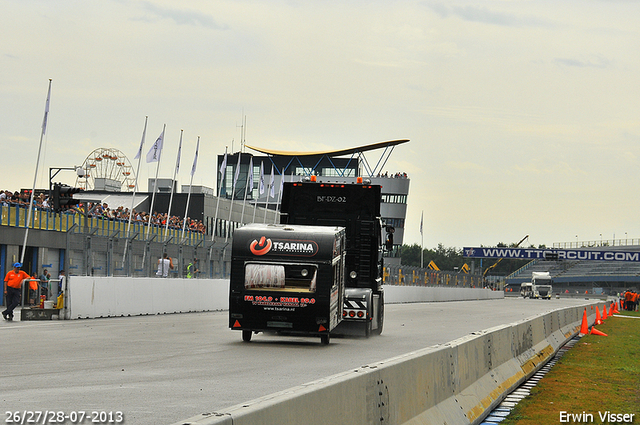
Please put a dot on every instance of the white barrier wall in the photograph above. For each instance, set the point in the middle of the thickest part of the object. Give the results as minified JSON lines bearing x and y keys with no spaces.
{"x":455,"y":383}
{"x":408,"y":294}
{"x":91,"y":297}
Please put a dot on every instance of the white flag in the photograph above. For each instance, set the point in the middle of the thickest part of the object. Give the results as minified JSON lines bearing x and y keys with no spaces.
{"x":250,"y":184}
{"x":144,"y":134}
{"x":281,"y":184}
{"x":235,"y":178}
{"x":223,"y":167}
{"x":271,"y":188}
{"x":156,"y":149}
{"x":46,"y":110}
{"x":195,"y":158}
{"x":179,"y":153}
{"x":261,"y":184}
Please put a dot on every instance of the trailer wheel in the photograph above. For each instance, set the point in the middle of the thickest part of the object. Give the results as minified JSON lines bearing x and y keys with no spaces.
{"x":246,"y":335}
{"x":324,"y":339}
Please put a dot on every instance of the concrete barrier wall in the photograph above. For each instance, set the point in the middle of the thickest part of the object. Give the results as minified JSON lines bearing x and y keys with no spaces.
{"x":408,"y":294}
{"x":456,"y":383}
{"x":91,"y":297}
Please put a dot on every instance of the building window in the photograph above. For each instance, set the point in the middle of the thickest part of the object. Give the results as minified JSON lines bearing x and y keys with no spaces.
{"x":391,"y":198}
{"x":332,"y":172}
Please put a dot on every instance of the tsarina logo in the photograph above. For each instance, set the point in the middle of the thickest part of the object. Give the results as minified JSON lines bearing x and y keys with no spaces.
{"x":262,"y":247}
{"x":265,"y":246}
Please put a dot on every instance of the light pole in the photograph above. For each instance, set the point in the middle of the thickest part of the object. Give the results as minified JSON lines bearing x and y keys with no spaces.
{"x":79,"y":172}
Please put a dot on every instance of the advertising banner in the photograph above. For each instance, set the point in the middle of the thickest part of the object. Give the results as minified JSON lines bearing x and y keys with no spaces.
{"x":552,"y":254}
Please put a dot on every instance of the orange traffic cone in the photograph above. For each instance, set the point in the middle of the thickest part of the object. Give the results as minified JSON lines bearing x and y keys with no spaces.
{"x":584,"y":327}
{"x":598,"y":319}
{"x":615,"y":308}
{"x":604,"y":312}
{"x":594,"y":331}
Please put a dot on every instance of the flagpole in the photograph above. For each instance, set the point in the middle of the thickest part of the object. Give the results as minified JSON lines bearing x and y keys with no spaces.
{"x":421,"y":242}
{"x":246,"y":188}
{"x":33,"y":188}
{"x":260,"y":191}
{"x":135,"y":185}
{"x":233,"y":192}
{"x":279,"y":199}
{"x":193,"y":171}
{"x":266,"y":206}
{"x":175,"y":171}
{"x":155,"y":185}
{"x":223,"y":170}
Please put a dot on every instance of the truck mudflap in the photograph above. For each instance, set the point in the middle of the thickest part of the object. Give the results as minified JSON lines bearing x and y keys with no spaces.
{"x":363,"y":310}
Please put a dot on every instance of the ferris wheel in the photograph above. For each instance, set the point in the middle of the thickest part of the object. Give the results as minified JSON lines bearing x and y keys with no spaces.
{"x":107,"y":169}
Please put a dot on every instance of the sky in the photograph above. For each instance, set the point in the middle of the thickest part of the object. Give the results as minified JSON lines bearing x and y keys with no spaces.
{"x":523,"y":116}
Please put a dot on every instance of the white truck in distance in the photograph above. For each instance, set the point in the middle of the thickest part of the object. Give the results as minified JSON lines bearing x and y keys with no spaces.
{"x":539,"y":287}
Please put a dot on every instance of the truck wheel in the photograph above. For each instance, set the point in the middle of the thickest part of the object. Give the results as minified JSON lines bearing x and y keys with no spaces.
{"x":246,"y":335}
{"x":324,"y":339}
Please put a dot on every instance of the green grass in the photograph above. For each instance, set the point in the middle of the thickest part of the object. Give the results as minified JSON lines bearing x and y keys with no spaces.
{"x":598,"y":374}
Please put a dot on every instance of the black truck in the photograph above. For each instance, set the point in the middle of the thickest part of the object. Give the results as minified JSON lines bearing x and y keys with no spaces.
{"x":287,"y":279}
{"x":356,"y":207}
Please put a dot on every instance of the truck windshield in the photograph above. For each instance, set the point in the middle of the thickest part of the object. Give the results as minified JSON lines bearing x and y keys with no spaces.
{"x":293,"y":277}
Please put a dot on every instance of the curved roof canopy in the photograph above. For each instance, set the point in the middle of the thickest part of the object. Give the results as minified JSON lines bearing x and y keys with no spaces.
{"x":340,"y":152}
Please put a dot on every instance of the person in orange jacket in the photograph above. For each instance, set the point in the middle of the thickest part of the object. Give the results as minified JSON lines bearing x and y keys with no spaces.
{"x":12,"y":288}
{"x":628,"y":300}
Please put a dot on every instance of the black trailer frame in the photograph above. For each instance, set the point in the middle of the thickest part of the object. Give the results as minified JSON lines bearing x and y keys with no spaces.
{"x":287,"y":279}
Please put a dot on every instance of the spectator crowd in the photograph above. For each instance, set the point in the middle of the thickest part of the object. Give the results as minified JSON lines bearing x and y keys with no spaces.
{"x":121,"y":213}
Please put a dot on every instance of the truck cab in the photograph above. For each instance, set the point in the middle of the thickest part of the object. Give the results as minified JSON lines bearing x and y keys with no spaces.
{"x":542,"y":285}
{"x":356,"y":207}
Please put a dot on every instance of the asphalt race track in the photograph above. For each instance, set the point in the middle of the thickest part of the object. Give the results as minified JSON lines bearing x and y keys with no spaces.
{"x":162,"y":369}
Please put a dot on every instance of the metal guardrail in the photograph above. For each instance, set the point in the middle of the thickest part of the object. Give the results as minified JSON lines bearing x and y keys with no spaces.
{"x":416,"y":276}
{"x":26,"y":288}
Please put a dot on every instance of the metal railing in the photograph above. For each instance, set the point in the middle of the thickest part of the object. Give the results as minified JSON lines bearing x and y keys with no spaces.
{"x":92,"y":254}
{"x":416,"y":276}
{"x":47,"y":292}
{"x":45,"y":219}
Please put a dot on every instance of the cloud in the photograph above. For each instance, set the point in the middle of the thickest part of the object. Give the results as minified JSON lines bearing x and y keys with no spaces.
{"x":485,"y":16}
{"x":599,"y":62}
{"x":182,"y":17}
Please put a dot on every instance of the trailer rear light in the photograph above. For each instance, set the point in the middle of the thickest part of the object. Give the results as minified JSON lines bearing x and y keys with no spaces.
{"x":360,"y":314}
{"x":344,"y":313}
{"x":352,"y":314}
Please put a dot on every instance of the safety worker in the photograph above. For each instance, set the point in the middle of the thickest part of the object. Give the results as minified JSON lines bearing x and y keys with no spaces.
{"x":192,"y":269}
{"x":628,"y":300}
{"x":12,"y":289}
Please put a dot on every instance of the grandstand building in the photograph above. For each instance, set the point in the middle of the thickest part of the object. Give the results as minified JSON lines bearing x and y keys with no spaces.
{"x":579,"y":277}
{"x":339,"y":166}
